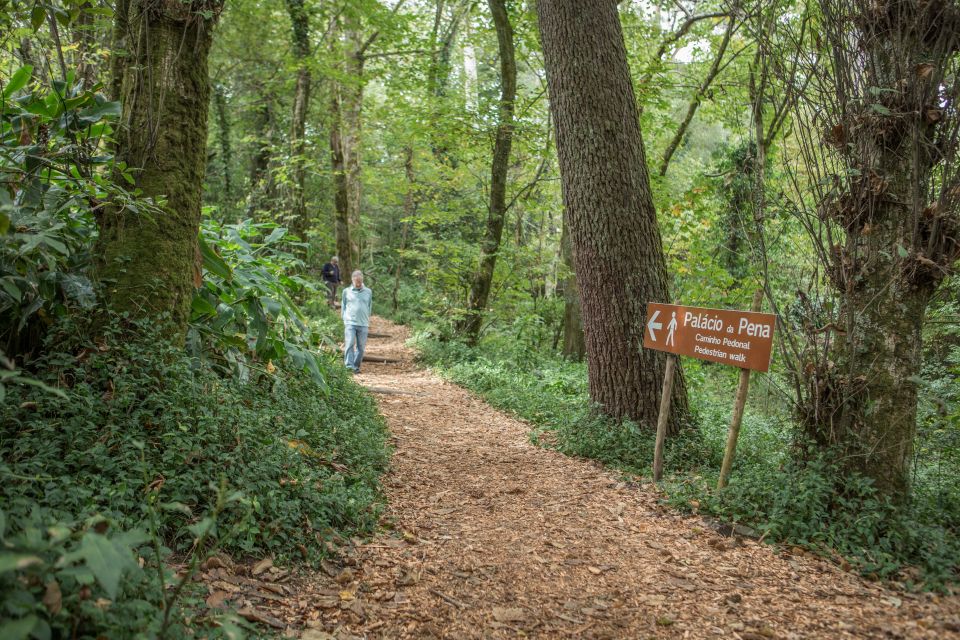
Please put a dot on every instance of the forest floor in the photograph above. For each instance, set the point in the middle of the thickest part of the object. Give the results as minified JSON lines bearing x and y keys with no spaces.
{"x":491,"y":536}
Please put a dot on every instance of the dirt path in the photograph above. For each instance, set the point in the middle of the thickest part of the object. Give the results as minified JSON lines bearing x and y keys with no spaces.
{"x":497,"y":538}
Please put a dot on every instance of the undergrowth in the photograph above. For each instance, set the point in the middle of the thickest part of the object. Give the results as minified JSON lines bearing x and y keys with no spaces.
{"x":808,"y":504}
{"x":153,"y":455}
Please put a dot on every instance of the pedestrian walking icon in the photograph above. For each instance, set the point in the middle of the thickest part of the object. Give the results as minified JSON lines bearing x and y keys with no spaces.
{"x":671,"y":329}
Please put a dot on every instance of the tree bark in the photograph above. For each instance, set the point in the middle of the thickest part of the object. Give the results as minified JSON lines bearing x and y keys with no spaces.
{"x":262,"y":188}
{"x":150,"y":265}
{"x":497,"y":211}
{"x":896,"y":204}
{"x":574,"y":346}
{"x":351,"y":108}
{"x":340,"y":196}
{"x":614,"y":234}
{"x":300,"y":22}
{"x":409,"y":209}
{"x":226,"y":147}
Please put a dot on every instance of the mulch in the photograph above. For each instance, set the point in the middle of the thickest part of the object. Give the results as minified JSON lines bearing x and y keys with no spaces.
{"x":490,"y":536}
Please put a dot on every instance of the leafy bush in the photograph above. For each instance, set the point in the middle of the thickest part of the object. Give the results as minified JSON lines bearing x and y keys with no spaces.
{"x":143,"y":432}
{"x":244,"y":311}
{"x":52,"y":184}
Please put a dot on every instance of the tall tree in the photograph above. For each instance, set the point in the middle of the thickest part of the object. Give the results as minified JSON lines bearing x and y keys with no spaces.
{"x":300,"y":22}
{"x":881,"y":145}
{"x":617,"y":250}
{"x":149,"y":264}
{"x":497,"y":207}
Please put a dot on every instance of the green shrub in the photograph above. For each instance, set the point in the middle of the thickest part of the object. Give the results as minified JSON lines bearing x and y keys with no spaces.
{"x":144,"y":431}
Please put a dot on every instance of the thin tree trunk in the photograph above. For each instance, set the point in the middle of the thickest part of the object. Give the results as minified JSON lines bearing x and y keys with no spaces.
{"x":226,"y":147}
{"x":698,"y":96}
{"x":496,"y":215}
{"x":340,"y":198}
{"x":300,"y":23}
{"x":351,"y":108}
{"x":409,"y":209}
{"x":613,"y":229}
{"x":150,"y":265}
{"x":261,"y":180}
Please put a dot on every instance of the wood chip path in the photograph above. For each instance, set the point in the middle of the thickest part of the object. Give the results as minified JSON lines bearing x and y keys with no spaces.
{"x":494,"y":537}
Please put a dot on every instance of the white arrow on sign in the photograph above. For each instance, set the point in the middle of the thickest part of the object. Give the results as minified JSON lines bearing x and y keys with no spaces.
{"x":651,"y":325}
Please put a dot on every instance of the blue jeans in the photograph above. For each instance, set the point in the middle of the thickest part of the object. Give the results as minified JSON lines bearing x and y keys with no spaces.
{"x":354,"y":341}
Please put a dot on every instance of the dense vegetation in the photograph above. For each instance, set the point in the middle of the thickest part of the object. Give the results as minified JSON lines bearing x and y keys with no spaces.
{"x":173,"y":176}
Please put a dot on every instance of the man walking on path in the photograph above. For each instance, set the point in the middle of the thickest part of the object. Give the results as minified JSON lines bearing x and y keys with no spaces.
{"x":355,"y":307}
{"x":331,"y":278}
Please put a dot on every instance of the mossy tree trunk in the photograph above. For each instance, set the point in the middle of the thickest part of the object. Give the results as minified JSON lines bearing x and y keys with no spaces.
{"x":617,"y":250}
{"x":497,"y":207}
{"x":150,"y":265}
{"x":892,"y":210}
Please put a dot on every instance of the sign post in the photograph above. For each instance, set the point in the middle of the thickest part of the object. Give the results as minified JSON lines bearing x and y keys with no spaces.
{"x":665,"y":395}
{"x":739,"y":403}
{"x":743,"y":339}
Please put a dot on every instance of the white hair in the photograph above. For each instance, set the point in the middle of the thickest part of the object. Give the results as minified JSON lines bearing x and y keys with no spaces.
{"x":334,"y":259}
{"x":356,"y":273}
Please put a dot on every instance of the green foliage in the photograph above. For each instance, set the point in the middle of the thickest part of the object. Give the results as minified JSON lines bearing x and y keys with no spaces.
{"x":62,"y":577}
{"x":790,"y":495}
{"x":52,"y":167}
{"x":244,"y":313}
{"x":136,"y":443}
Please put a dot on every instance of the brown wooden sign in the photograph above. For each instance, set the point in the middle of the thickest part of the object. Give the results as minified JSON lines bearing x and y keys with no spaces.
{"x":738,"y":338}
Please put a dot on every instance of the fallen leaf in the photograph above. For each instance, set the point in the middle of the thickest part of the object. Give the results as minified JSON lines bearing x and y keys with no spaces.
{"x":262,"y":566}
{"x":509,"y":614}
{"x":251,"y":614}
{"x":53,"y":598}
{"x":216,"y":599}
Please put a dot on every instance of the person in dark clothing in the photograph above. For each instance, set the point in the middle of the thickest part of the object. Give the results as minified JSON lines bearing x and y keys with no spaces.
{"x":331,"y":278}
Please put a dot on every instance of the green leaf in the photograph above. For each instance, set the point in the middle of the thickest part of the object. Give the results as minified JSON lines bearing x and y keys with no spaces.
{"x":105,"y":560}
{"x":11,"y":289}
{"x":98,"y":112}
{"x":37,"y":16}
{"x":212,"y":262}
{"x":18,"y":80}
{"x":17,"y":562}
{"x":903,"y":253}
{"x":178,"y":507}
{"x":18,"y":629}
{"x":201,"y":528}
{"x":201,"y":307}
{"x":882,"y":110}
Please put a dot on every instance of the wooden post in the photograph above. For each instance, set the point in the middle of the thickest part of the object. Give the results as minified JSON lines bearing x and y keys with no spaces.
{"x":662,"y":418}
{"x":738,"y":406}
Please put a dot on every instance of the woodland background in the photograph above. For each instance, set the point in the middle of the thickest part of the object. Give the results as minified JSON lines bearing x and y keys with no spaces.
{"x":164,"y":404}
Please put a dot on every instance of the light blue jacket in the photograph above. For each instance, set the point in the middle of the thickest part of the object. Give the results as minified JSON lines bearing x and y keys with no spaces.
{"x":356,"y":306}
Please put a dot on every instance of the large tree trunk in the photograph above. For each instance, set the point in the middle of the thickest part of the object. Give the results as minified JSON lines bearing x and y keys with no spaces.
{"x":150,"y":264}
{"x":616,"y":243}
{"x":894,"y":204}
{"x":574,"y":346}
{"x":300,"y":21}
{"x":497,"y":211}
